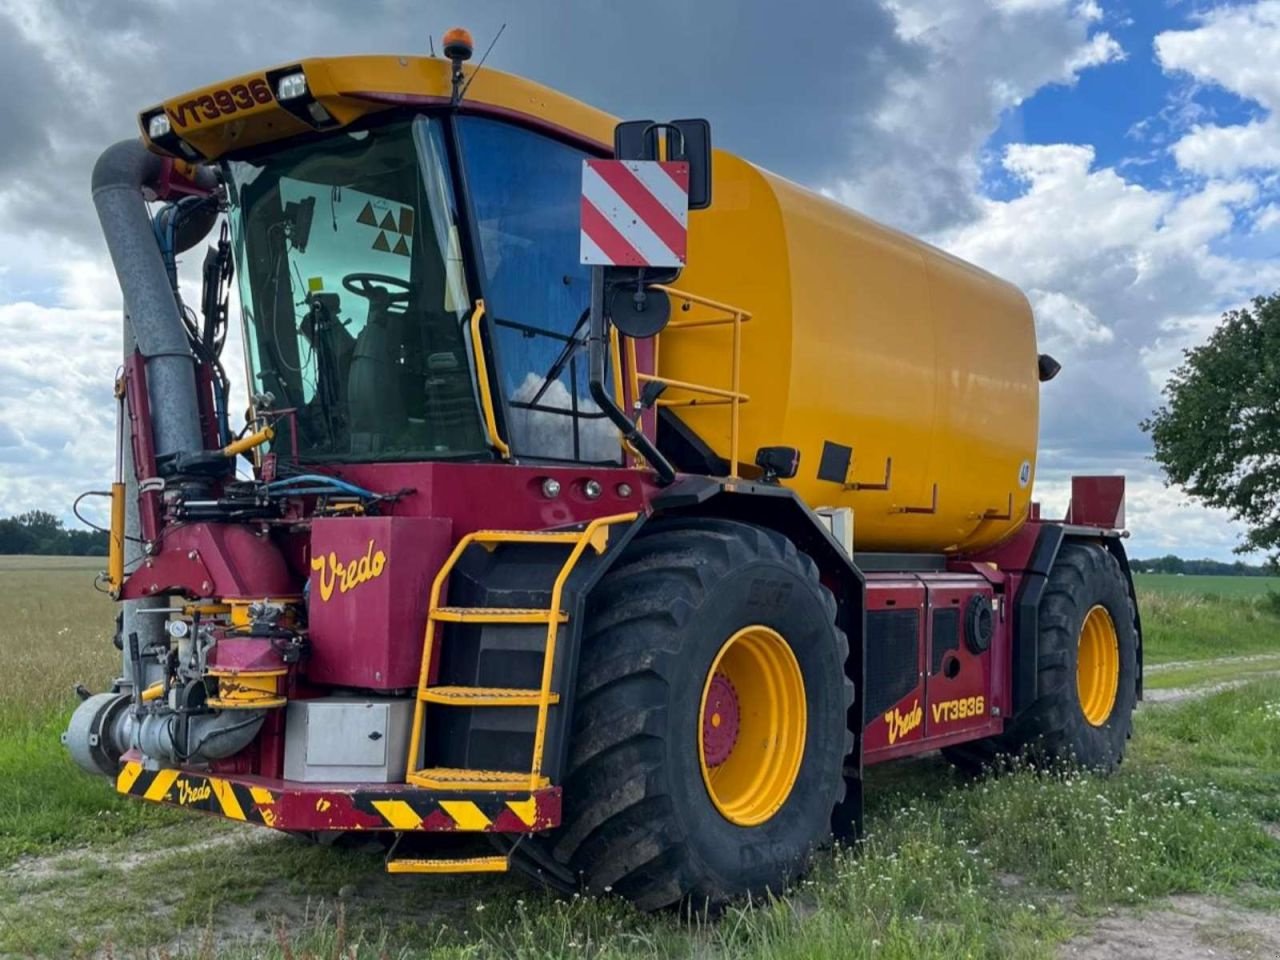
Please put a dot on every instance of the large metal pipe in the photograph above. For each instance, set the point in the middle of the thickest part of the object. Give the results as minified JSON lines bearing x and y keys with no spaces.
{"x":106,"y":726}
{"x":153,"y":326}
{"x":119,"y":178}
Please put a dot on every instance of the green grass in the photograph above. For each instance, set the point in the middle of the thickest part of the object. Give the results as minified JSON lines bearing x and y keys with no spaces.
{"x":1007,"y":867}
{"x":1206,"y":585}
{"x":1198,"y":625}
{"x":1004,"y":867}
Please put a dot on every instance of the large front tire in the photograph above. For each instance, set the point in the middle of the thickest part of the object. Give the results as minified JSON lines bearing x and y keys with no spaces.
{"x":1088,"y":670}
{"x":710,"y":731}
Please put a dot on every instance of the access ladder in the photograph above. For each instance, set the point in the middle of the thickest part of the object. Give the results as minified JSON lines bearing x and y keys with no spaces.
{"x":594,"y":536}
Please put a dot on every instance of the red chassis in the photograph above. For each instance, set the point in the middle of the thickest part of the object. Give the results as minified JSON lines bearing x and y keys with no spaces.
{"x":930,"y":681}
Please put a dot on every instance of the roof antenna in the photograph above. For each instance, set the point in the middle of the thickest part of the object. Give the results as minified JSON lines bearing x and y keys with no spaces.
{"x":458,"y":67}
{"x":431,"y":45}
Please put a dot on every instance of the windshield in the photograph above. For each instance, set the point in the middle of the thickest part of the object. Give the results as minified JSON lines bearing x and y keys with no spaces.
{"x":354,"y":297}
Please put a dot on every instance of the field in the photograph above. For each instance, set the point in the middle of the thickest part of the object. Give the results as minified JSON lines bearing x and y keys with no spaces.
{"x":1176,"y":856}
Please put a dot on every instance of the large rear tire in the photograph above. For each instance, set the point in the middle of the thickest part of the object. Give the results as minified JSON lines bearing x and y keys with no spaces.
{"x":710,"y":729}
{"x":1088,"y":669}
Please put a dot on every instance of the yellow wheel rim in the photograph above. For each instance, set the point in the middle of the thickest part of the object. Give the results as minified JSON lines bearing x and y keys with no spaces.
{"x":752,"y":722}
{"x":1098,"y":666}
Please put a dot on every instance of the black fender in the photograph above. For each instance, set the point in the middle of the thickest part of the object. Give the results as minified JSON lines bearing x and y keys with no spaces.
{"x":1027,"y":603}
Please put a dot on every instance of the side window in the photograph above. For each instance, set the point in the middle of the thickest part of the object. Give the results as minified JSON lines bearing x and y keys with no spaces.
{"x":525,"y":195}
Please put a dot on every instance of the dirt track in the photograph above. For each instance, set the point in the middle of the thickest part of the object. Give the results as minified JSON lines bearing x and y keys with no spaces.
{"x":1182,"y":928}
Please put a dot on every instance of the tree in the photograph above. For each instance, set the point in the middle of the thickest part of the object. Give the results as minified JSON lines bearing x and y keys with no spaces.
{"x":1218,"y":434}
{"x":38,"y":531}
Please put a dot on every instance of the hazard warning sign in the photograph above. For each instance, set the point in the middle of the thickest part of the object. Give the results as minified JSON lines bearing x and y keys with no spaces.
{"x":394,"y":224}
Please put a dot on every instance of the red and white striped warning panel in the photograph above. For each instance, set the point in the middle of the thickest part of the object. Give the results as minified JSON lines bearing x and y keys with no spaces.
{"x":635,"y":213}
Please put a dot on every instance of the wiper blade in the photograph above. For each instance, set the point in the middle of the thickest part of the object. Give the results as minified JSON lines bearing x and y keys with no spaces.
{"x":572,"y":345}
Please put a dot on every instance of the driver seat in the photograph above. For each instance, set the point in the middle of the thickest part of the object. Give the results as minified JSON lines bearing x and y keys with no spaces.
{"x":375,"y":402}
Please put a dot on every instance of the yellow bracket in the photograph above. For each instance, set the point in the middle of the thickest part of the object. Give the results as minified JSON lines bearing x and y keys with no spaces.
{"x":883,"y":485}
{"x":115,"y":544}
{"x":245,"y":444}
{"x":482,"y":374}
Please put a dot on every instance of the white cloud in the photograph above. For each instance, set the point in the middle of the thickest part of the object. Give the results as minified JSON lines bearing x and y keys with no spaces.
{"x":1064,"y":323}
{"x":57,"y":414}
{"x":1123,"y":277}
{"x":918,"y":163}
{"x":1236,"y":48}
{"x":1266,"y":218}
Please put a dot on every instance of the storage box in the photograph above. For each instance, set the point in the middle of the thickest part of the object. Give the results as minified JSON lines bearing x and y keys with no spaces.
{"x":347,"y":740}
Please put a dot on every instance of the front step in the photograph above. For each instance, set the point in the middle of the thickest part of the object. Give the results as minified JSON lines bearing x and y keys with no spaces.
{"x":449,"y":778}
{"x":447,"y":865}
{"x":497,"y":615}
{"x":485,"y":696}
{"x":597,"y":535}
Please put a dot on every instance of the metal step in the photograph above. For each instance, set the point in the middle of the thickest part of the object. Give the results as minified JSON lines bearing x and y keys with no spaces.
{"x":527,"y":536}
{"x":484,"y":696}
{"x":449,"y":778}
{"x":495,"y":615}
{"x":446,"y":865}
{"x":597,"y":540}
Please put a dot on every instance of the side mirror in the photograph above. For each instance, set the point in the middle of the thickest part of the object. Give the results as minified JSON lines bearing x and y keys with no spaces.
{"x":637,"y":312}
{"x":687,"y":140}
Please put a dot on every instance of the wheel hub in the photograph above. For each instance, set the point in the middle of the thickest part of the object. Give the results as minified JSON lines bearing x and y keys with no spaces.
{"x":719,"y":721}
{"x":1098,"y":666}
{"x":751,"y":725}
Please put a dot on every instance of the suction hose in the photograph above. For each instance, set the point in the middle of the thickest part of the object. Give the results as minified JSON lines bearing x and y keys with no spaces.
{"x":120,"y":177}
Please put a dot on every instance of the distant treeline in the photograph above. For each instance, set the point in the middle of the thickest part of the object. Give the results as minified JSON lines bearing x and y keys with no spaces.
{"x":1200,"y":568}
{"x":43,"y":533}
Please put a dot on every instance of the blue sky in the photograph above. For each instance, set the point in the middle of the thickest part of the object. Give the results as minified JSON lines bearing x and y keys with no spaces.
{"x":1117,"y":159}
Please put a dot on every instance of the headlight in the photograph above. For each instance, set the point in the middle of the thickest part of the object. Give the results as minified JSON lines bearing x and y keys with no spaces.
{"x":158,"y":126}
{"x":291,"y":86}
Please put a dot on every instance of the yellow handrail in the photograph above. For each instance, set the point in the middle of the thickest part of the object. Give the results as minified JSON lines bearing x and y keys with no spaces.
{"x":732,"y":396}
{"x":482,"y":374}
{"x":428,"y":647}
{"x":595,"y":535}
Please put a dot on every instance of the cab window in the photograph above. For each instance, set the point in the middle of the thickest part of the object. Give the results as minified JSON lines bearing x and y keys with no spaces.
{"x":524,"y":191}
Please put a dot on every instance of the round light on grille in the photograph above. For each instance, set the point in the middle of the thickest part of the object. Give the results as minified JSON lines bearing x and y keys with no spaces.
{"x":551,"y":488}
{"x":592,"y":489}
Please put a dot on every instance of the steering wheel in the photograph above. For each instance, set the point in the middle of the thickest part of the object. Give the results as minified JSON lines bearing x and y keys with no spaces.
{"x":374,"y":286}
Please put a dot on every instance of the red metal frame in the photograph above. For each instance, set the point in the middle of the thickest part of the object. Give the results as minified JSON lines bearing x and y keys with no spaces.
{"x":289,"y":805}
{"x":453,"y":499}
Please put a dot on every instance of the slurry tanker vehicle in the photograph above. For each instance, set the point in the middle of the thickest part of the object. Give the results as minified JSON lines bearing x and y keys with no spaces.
{"x":558,"y":554}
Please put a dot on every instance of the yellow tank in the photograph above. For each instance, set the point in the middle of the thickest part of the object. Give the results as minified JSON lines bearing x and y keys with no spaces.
{"x":865,"y":338}
{"x":860,"y":336}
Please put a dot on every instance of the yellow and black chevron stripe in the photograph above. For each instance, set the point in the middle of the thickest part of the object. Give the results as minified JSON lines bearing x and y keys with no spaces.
{"x":424,"y":811}
{"x":302,"y":807}
{"x":236,"y":801}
